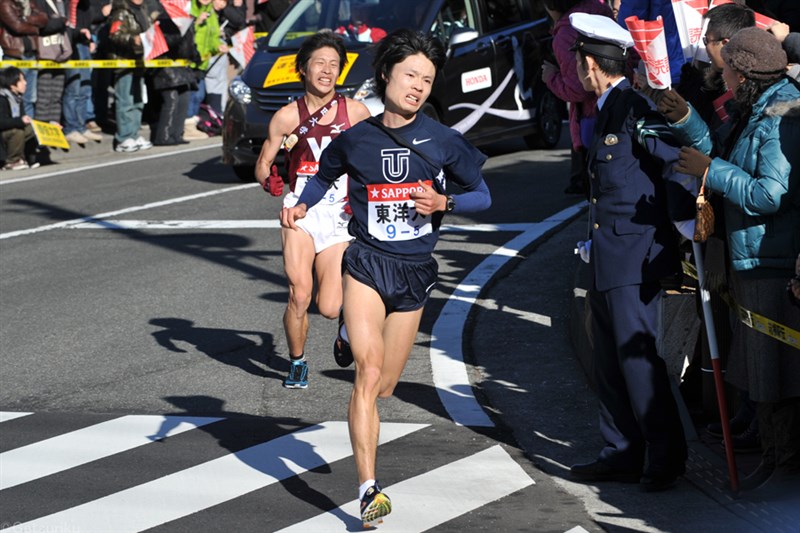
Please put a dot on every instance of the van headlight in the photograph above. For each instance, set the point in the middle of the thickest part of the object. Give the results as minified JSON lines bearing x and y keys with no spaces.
{"x":366,"y":90}
{"x":240,"y":91}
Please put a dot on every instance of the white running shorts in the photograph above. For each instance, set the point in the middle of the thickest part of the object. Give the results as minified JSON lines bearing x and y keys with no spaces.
{"x":325,"y":223}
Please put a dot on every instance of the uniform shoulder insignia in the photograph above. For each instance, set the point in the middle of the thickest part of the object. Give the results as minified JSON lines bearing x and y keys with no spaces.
{"x":652,"y":124}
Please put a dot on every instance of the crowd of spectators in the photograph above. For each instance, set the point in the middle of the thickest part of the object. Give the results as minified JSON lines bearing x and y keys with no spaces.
{"x":85,"y":102}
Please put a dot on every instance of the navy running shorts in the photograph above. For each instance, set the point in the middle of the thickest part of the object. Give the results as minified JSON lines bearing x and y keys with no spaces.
{"x":403,"y":283}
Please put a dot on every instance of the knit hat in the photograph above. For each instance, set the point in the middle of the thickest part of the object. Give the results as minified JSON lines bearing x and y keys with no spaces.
{"x":756,"y":54}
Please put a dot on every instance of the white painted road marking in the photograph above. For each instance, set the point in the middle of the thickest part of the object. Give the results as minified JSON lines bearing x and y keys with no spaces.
{"x":5,"y":416}
{"x":447,"y":359}
{"x":116,"y":162}
{"x":82,"y":446}
{"x":214,"y":482}
{"x":425,"y":501}
{"x":95,"y":218}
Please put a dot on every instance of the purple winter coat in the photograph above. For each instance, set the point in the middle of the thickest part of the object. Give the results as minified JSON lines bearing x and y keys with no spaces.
{"x":565,"y":84}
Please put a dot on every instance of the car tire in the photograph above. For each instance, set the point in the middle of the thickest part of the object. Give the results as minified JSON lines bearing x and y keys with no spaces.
{"x":549,"y":119}
{"x":245,"y":172}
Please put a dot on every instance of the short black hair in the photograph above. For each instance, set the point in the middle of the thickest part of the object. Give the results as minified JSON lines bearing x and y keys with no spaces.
{"x":9,"y":76}
{"x":562,"y":6}
{"x":397,"y":46}
{"x":612,"y":67}
{"x":315,"y":42}
{"x":725,"y":20}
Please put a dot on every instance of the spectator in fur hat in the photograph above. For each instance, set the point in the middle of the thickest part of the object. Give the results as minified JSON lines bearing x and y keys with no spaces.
{"x":757,"y":172}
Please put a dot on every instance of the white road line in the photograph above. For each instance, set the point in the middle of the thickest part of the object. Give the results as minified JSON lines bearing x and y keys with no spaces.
{"x":178,"y":224}
{"x":211,"y":483}
{"x":447,"y":359}
{"x":425,"y":501}
{"x":82,"y":446}
{"x":5,"y":416}
{"x":138,"y":159}
{"x":109,"y":214}
{"x":120,"y":224}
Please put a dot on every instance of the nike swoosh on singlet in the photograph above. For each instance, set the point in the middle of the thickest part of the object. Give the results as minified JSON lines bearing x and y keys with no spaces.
{"x":416,"y":142}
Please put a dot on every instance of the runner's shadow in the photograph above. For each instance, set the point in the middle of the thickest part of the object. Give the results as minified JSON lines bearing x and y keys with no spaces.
{"x":253,"y":440}
{"x":231,"y":347}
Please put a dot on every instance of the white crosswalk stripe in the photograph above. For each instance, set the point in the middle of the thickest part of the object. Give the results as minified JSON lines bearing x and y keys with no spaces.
{"x":211,"y":483}
{"x":95,"y":442}
{"x":422,"y":501}
{"x":430,"y":499}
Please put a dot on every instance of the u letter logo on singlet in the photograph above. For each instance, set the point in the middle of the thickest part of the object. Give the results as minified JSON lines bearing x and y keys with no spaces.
{"x":395,"y":164}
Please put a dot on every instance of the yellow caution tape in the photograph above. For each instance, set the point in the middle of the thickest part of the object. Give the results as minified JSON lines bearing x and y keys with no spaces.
{"x":96,"y":63}
{"x":753,"y":320}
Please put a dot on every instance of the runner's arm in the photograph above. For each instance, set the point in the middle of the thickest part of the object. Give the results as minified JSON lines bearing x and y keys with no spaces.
{"x":477,"y":199}
{"x":278,"y":128}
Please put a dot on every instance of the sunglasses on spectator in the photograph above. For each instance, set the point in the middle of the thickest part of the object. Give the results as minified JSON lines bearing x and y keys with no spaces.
{"x":706,"y":40}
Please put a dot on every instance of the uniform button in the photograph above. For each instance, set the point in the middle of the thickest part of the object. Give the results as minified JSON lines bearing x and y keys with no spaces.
{"x":596,"y":226}
{"x":594,"y":200}
{"x":608,"y":157}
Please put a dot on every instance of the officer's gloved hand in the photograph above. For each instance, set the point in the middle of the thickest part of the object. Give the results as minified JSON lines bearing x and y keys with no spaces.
{"x":583,"y":248}
{"x":673,"y":106}
{"x":275,"y":182}
{"x":692,"y":162}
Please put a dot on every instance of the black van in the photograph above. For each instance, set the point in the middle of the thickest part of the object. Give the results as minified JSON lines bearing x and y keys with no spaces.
{"x":490,"y":88}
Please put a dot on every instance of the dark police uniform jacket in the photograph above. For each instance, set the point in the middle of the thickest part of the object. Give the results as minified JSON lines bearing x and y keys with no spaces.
{"x":635,"y":193}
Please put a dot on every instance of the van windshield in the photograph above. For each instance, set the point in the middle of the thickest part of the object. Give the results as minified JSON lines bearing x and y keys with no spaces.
{"x":357,"y":21}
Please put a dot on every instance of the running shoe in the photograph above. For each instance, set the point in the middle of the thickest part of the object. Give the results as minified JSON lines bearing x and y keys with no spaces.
{"x":374,"y":506}
{"x":341,"y":348}
{"x":298,"y":376}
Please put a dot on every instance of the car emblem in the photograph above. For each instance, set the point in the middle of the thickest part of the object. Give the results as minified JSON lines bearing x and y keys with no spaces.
{"x":610,"y":140}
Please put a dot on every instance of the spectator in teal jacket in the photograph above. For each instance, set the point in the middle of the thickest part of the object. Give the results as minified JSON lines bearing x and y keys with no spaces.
{"x":757,"y":172}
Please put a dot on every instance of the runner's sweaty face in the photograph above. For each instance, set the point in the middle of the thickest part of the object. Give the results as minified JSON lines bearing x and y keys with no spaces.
{"x":409,"y":84}
{"x":322,"y":70}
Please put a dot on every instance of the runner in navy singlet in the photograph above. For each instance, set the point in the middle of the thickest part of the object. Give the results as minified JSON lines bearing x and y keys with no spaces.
{"x":398,"y":199}
{"x":304,"y":128}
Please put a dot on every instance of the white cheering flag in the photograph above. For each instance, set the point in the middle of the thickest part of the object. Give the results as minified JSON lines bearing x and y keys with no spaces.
{"x":651,"y":43}
{"x":243,"y":48}
{"x":689,"y":20}
{"x":153,"y":42}
{"x":179,"y":11}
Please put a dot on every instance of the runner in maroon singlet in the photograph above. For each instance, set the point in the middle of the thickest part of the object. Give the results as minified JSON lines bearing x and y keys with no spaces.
{"x":305,"y":127}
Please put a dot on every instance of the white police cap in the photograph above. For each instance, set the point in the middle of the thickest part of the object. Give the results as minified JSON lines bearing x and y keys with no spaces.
{"x":601,"y":36}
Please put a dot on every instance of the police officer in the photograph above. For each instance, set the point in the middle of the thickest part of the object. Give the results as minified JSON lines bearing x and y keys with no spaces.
{"x":635,"y":198}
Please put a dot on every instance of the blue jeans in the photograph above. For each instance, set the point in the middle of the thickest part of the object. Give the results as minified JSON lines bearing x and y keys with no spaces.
{"x":76,"y":97}
{"x":128,"y":87}
{"x":29,"y":98}
{"x":196,"y":99}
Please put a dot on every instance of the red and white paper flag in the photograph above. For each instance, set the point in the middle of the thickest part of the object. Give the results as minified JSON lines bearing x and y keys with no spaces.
{"x":243,"y":48}
{"x":763,"y":21}
{"x":719,"y":105}
{"x":716,"y":3}
{"x":689,"y":20}
{"x":651,"y":44}
{"x":153,"y":42}
{"x":180,"y":13}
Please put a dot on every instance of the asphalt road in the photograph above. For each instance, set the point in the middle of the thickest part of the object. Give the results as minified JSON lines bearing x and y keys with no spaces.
{"x":152,"y":287}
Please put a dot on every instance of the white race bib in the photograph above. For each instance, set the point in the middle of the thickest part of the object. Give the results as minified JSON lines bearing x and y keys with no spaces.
{"x":392,"y":216}
{"x":336,"y":193}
